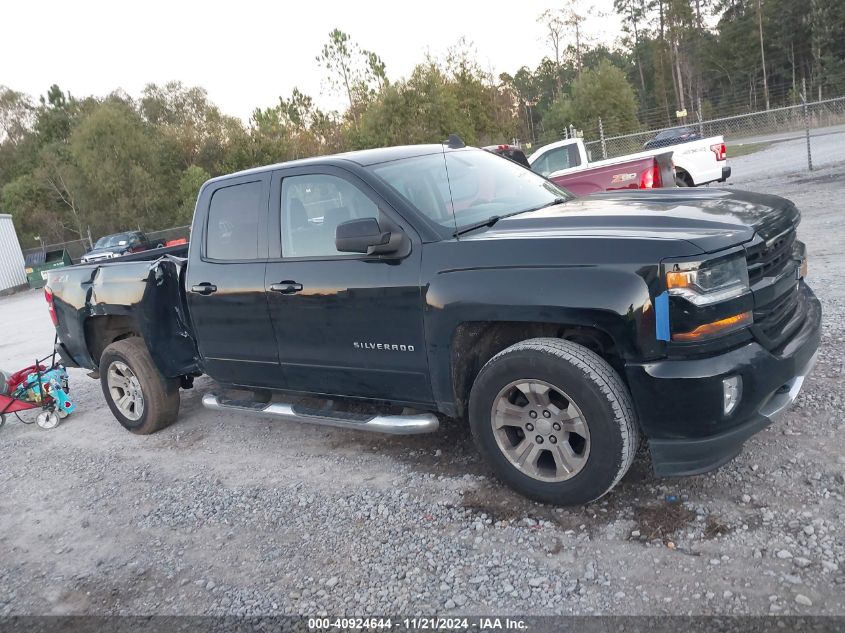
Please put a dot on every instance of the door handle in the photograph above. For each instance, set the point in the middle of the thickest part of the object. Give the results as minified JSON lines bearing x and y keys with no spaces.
{"x":204,"y":288}
{"x":286,"y":287}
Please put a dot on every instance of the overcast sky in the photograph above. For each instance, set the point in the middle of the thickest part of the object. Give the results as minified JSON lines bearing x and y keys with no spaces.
{"x":246,"y":53}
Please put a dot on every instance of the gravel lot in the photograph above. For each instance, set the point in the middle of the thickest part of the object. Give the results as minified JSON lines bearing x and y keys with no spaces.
{"x":787,"y":152}
{"x":222,"y":514}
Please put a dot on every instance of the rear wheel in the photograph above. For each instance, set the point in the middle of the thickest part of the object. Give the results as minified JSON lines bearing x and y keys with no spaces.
{"x":141,"y":399}
{"x":681,"y":181}
{"x":554,"y":420}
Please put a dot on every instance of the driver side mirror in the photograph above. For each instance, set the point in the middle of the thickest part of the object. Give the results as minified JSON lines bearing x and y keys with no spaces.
{"x":364,"y":235}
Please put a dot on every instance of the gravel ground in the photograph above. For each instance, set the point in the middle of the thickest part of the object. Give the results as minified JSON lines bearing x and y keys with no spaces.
{"x":788,"y":152}
{"x":221,"y":514}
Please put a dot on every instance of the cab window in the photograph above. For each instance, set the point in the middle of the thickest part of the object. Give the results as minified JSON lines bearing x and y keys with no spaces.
{"x":312,"y":206}
{"x":232,"y":228}
{"x":557,"y":159}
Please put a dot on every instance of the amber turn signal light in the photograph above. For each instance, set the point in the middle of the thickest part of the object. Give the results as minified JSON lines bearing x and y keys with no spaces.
{"x":678,"y":279}
{"x":716,"y":327}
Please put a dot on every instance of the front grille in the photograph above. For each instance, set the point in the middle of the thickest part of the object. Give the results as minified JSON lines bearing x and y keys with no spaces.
{"x":775,"y":322}
{"x":768,"y":259}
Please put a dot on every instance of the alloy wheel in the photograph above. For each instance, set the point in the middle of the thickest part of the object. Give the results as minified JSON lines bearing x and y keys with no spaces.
{"x":125,"y":390}
{"x":540,"y":430}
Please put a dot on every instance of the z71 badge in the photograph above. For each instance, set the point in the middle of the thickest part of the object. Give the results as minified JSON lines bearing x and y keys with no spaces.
{"x":617,"y":178}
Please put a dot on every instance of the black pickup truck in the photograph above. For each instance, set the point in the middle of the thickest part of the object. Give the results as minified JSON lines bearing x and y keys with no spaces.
{"x":379,"y":290}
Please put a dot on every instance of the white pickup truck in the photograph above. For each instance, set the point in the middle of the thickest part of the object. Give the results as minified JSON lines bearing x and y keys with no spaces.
{"x":696,"y":162}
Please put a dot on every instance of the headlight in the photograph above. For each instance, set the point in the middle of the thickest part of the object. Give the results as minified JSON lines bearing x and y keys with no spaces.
{"x":703,"y":283}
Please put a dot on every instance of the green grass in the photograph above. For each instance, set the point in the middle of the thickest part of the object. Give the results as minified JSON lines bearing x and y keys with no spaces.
{"x":746,"y":148}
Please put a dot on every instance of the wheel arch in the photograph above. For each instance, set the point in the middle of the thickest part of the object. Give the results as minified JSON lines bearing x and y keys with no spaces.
{"x":608,"y":306}
{"x":683,"y":174}
{"x":474,"y":343}
{"x":104,"y":329}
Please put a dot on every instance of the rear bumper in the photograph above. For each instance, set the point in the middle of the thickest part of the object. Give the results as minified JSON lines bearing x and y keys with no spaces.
{"x":64,"y":355}
{"x":726,"y":173}
{"x":679,"y":402}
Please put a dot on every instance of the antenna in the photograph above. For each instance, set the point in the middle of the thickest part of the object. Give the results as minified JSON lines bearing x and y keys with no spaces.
{"x":454,"y":142}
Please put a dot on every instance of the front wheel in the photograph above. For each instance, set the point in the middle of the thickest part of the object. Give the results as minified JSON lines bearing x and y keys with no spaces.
{"x":141,"y":399}
{"x":554,"y":420}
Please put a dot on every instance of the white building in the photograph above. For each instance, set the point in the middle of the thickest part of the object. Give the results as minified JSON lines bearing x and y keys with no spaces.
{"x":12,"y":275}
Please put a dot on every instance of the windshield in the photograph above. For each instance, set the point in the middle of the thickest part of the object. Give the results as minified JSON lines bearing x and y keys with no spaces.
{"x":666,"y":134}
{"x":464,"y":187}
{"x":121,"y":239}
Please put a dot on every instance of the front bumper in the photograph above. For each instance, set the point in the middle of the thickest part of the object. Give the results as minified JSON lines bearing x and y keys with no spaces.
{"x":679,"y":402}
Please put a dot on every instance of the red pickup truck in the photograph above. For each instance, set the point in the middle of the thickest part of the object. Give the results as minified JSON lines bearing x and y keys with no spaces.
{"x":643,"y":172}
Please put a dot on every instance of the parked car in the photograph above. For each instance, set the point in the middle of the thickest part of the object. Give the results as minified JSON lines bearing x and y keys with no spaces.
{"x":380,"y":289}
{"x":675,"y":136}
{"x":566,"y":169}
{"x":695,"y":163}
{"x":117,"y":245}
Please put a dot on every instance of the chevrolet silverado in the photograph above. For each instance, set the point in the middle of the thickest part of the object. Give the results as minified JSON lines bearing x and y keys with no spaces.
{"x":384,"y":289}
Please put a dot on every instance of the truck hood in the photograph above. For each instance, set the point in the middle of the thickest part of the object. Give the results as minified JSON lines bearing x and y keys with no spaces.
{"x":99,"y":252}
{"x":106,"y":250}
{"x":710,"y":219}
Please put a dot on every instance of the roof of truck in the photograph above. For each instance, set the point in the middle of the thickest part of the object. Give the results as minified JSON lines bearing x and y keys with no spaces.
{"x":362,"y":157}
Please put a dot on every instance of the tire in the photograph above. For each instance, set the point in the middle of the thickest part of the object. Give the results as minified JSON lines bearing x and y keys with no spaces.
{"x":680,"y":181}
{"x":596,"y":439}
{"x":158,"y":406}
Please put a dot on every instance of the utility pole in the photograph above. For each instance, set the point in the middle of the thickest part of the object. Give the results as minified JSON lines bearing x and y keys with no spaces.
{"x":603,"y":142}
{"x":806,"y":123}
{"x":528,"y":105}
{"x":762,"y":52}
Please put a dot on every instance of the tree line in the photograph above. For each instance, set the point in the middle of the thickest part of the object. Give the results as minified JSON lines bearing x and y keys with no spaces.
{"x":71,"y":164}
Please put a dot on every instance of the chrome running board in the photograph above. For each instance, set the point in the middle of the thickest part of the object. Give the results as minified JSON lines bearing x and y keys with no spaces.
{"x":410,"y":424}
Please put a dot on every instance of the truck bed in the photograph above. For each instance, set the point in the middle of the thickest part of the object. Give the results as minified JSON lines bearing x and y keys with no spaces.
{"x":143,"y":293}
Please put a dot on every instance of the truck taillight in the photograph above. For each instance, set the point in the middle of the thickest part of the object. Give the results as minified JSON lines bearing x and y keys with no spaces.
{"x":650,"y":178}
{"x":720,"y":150}
{"x":48,"y":295}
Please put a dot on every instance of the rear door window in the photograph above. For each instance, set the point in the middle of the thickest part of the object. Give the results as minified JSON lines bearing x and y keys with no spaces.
{"x":232,"y":229}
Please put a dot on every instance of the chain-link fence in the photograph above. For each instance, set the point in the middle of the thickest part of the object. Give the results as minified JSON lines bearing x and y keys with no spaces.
{"x":795,"y":137}
{"x":760,"y":127}
{"x":74,"y":248}
{"x":169,"y":235}
{"x":77,"y":248}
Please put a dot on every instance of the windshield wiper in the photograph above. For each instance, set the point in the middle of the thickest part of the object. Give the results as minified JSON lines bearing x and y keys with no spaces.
{"x":471,"y":227}
{"x":548,"y":204}
{"x":495,"y":218}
